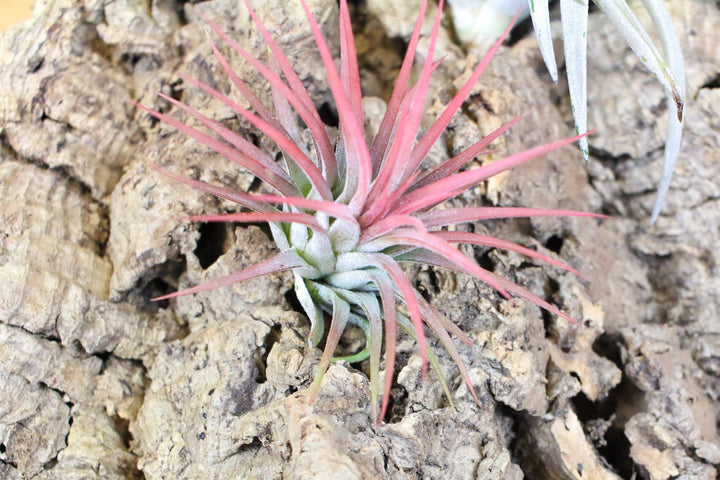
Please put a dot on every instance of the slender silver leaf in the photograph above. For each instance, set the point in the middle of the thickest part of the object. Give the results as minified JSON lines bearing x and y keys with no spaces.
{"x":637,"y":38}
{"x":574,"y":17}
{"x":317,"y":322}
{"x":673,"y":53}
{"x":540,"y":14}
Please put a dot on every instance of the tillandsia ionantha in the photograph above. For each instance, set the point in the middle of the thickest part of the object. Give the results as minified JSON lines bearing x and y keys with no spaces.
{"x":346,"y":215}
{"x":668,"y":69}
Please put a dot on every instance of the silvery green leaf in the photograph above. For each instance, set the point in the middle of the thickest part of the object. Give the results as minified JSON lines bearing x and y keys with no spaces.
{"x":350,"y":261}
{"x":298,"y":234}
{"x":540,"y":14}
{"x":370,"y":306}
{"x":637,"y":38}
{"x":358,"y":280}
{"x":670,"y":41}
{"x":673,"y":53}
{"x":280,"y":236}
{"x":344,"y":234}
{"x":574,"y":17}
{"x":319,"y":252}
{"x":317,"y":323}
{"x":363,"y":354}
{"x":342,"y":314}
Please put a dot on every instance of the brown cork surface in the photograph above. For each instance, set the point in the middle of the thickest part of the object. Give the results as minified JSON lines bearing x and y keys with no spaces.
{"x":97,"y":382}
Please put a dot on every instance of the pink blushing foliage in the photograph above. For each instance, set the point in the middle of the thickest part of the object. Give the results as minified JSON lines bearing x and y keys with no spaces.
{"x":366,"y":204}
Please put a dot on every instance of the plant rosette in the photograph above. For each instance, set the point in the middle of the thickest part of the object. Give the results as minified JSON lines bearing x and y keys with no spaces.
{"x":346,"y":214}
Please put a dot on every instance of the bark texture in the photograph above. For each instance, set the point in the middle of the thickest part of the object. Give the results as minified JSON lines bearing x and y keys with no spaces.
{"x":97,"y":381}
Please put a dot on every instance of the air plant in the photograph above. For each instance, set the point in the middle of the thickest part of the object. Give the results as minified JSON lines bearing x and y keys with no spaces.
{"x":345,"y":216}
{"x":668,"y":69}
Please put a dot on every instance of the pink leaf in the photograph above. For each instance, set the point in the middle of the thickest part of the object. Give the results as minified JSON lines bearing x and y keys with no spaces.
{"x":296,"y":94}
{"x":396,"y":163}
{"x":450,"y":216}
{"x":358,"y":155}
{"x":379,"y":146}
{"x":254,"y":101}
{"x":349,"y":72}
{"x":439,"y":246}
{"x":450,"y":326}
{"x":432,"y":258}
{"x":426,"y":142}
{"x":447,"y":342}
{"x":273,"y":176}
{"x":282,"y":261}
{"x":389,"y":224}
{"x":527,"y":295}
{"x":430,"y":195}
{"x":252,"y":154}
{"x":387,"y":297}
{"x":383,"y":262}
{"x":476,"y":239}
{"x":240,"y":198}
{"x":255,"y":217}
{"x":334,"y":209}
{"x":307,"y":165}
{"x":340,"y":314}
{"x":454,"y":164}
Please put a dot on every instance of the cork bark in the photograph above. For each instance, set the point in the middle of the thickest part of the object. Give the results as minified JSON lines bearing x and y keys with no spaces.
{"x":97,"y":381}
